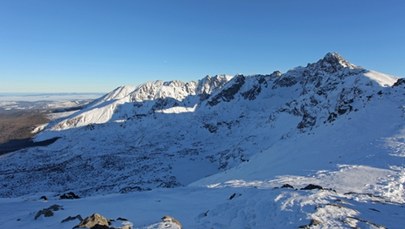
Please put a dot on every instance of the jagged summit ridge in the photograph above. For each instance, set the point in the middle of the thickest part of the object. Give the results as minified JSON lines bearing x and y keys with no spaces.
{"x":153,"y":96}
{"x":210,"y":125}
{"x":208,"y":84}
{"x":148,"y":97}
{"x":177,"y":89}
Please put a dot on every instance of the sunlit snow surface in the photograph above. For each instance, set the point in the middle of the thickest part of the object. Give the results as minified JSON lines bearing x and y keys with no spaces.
{"x":355,"y":202}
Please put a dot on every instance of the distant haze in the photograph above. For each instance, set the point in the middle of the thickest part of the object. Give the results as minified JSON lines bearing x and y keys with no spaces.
{"x":34,"y":97}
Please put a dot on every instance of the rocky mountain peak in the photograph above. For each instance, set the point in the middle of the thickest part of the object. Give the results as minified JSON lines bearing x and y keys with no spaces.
{"x":163,"y":126}
{"x":332,"y":62}
{"x":333,"y":56}
{"x":276,"y":74}
{"x":209,"y":84}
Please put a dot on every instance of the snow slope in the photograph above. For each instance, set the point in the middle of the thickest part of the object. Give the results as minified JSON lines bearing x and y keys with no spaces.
{"x":234,"y":152}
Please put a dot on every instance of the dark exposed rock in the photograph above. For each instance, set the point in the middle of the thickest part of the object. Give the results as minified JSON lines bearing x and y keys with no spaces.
{"x":204,"y":96}
{"x":332,"y":117}
{"x":285,"y":81}
{"x":48,"y":212}
{"x":343,"y":109}
{"x":43,"y":198}
{"x":227,"y":124}
{"x":346,"y":99}
{"x":131,"y":189}
{"x":307,"y":121}
{"x":287,"y":186}
{"x":211,"y":128}
{"x":262,"y":79}
{"x":45,"y":212}
{"x":252,"y":93}
{"x":232,"y":196}
{"x":98,"y":226}
{"x":90,"y":127}
{"x":227,"y":157}
{"x":163,"y":103}
{"x":122,"y":219}
{"x":69,"y":195}
{"x":169,"y":182}
{"x":362,"y":194}
{"x":399,"y":82}
{"x":228,"y":93}
{"x":71,"y":218}
{"x":311,"y":187}
{"x":204,"y":214}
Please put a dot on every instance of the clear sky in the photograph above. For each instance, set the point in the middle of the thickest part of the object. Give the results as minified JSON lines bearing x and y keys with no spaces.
{"x":97,"y":45}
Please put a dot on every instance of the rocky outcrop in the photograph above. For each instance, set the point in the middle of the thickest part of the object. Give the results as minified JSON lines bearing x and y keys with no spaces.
{"x":312,"y":187}
{"x":399,"y":82}
{"x":69,"y":196}
{"x":285,"y":81}
{"x":95,"y":221}
{"x":48,"y":212}
{"x":71,"y":218}
{"x":228,"y":93}
{"x":169,"y":220}
{"x":287,"y":186}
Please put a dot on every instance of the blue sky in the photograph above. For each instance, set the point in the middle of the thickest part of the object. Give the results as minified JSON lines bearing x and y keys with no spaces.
{"x":97,"y":45}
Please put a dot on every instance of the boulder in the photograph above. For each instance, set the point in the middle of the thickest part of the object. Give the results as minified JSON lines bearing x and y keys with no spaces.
{"x":48,"y":212}
{"x":311,"y":187}
{"x":69,"y":195}
{"x":95,"y":221}
{"x":287,"y":186}
{"x":234,"y":195}
{"x":170,"y":220}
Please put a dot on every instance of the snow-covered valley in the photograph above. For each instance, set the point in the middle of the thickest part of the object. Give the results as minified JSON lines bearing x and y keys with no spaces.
{"x":321,"y":146}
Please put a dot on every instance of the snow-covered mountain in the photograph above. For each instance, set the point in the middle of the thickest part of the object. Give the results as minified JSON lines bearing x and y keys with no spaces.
{"x":142,"y":100}
{"x":333,"y":125}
